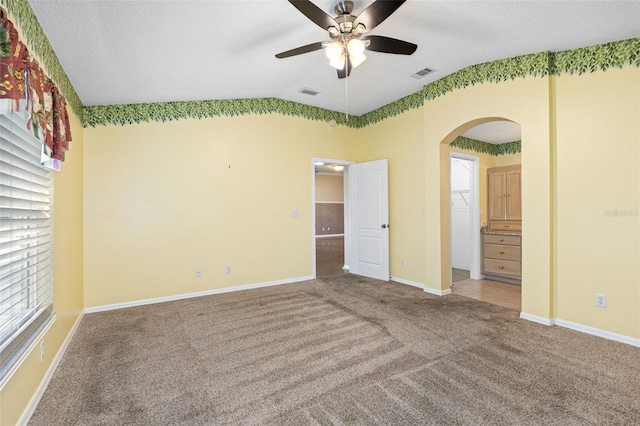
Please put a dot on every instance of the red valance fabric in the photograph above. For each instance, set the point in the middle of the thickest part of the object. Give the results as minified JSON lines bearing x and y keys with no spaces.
{"x":23,"y":84}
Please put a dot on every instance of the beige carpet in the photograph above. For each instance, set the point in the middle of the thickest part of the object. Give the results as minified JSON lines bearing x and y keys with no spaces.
{"x":345,"y":350}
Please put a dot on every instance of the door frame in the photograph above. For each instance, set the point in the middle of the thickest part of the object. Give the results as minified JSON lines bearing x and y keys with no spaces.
{"x":347,"y":211}
{"x":475,"y":272}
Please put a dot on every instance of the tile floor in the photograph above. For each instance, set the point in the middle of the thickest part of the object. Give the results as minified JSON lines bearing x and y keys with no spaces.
{"x":503,"y":294}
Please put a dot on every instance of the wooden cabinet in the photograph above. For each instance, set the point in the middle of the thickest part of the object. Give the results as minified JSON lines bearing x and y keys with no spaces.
{"x":504,"y":198}
{"x":502,"y":255}
{"x":502,"y":242}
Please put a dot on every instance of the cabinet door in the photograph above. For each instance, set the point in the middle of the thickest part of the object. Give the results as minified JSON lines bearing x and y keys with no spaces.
{"x":496,"y":194}
{"x":513,"y":195}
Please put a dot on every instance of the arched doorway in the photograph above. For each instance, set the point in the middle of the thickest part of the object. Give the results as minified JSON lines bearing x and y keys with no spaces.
{"x":485,"y":260}
{"x":526,"y":102}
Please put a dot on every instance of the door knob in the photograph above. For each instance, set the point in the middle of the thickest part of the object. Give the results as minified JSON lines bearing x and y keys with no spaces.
{"x":385,"y":226}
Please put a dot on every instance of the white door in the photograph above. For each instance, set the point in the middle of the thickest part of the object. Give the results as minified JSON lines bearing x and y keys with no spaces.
{"x":461,"y":213}
{"x":369,"y":192}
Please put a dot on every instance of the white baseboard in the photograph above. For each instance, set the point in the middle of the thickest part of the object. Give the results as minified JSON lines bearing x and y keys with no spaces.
{"x":535,"y":318}
{"x":407,"y":282}
{"x":421,"y":286}
{"x":434,"y":291}
{"x":191,"y":295}
{"x":598,"y":332}
{"x":35,"y":399}
{"x":437,"y":292}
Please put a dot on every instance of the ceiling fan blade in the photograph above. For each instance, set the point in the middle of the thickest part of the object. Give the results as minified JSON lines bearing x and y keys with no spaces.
{"x":314,"y":13}
{"x":346,"y":71}
{"x":300,"y":50}
{"x":379,"y":10}
{"x":390,"y":45}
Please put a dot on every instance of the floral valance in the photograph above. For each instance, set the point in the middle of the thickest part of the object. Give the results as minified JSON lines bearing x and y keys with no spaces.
{"x":23,"y":84}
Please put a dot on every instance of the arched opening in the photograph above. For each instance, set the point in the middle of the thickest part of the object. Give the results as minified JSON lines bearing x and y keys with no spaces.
{"x":526,"y":102}
{"x":485,"y":219}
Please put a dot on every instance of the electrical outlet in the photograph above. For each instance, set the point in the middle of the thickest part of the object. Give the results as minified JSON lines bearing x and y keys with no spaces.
{"x":41,"y":351}
{"x":601,"y":300}
{"x":228,"y":269}
{"x":403,"y":263}
{"x":198,"y":272}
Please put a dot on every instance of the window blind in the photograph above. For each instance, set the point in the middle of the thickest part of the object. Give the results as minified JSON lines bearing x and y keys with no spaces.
{"x":26,"y":232}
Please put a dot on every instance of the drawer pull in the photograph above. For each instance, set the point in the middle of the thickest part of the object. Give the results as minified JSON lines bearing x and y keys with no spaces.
{"x":501,"y":239}
{"x":500,"y":252}
{"x":506,"y":226}
{"x":500,"y":267}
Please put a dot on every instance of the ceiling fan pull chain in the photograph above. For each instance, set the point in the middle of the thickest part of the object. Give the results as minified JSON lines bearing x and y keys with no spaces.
{"x":346,"y":82}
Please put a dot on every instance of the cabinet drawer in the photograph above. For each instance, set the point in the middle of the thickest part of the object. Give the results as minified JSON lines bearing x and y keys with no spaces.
{"x":506,"y":225}
{"x":495,"y":251}
{"x":502,"y":267}
{"x":510,"y":240}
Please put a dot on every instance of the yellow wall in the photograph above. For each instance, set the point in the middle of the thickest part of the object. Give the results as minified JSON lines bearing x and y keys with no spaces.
{"x":162,"y":199}
{"x":68,"y":281}
{"x":598,"y":164}
{"x":508,"y":160}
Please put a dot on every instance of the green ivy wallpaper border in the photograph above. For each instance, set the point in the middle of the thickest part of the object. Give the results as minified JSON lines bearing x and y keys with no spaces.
{"x":22,"y":15}
{"x":480,"y":147}
{"x":600,"y":57}
{"x":168,"y":111}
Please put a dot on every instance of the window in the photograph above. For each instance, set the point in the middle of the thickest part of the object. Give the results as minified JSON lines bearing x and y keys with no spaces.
{"x":26,"y":232}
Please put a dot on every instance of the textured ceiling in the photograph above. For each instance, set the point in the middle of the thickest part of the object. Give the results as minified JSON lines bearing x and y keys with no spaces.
{"x":119,"y":52}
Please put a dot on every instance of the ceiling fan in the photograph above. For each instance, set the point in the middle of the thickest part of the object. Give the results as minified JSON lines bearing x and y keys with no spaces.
{"x":347,"y":33}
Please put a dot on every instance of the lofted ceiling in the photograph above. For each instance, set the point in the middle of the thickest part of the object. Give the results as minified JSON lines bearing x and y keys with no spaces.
{"x":120,"y":52}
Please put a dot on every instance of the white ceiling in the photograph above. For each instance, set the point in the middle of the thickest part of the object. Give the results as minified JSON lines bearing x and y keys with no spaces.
{"x":495,"y":132}
{"x":119,"y":52}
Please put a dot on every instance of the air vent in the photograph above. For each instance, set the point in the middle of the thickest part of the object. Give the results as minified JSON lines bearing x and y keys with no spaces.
{"x":309,"y":92}
{"x":422,"y":73}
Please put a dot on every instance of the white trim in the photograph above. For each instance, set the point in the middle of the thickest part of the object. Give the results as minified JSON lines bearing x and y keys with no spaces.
{"x":35,"y":399}
{"x":24,"y":354}
{"x":191,"y":295}
{"x":329,"y":235}
{"x":437,"y":292}
{"x":407,"y":282}
{"x":535,"y":318}
{"x":598,"y":332}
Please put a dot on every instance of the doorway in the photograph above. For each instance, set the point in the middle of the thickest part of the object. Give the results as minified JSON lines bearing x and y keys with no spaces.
{"x":364,"y":209}
{"x":329,"y":213}
{"x":497,"y":249}
{"x":465,"y":227}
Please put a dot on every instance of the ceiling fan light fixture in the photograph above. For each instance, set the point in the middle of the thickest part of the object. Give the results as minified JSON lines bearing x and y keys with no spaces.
{"x":333,"y":32}
{"x":355,"y":46}
{"x":339,"y":62}
{"x":357,"y":60}
{"x":333,"y":50}
{"x":359,"y":29}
